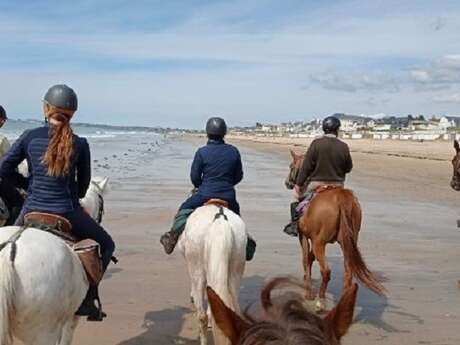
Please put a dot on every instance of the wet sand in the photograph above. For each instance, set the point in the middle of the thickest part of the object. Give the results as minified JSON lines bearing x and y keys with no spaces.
{"x":409,"y":235}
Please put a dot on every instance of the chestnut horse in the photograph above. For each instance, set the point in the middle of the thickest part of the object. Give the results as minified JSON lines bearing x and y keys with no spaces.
{"x":333,"y":215}
{"x":288,"y":323}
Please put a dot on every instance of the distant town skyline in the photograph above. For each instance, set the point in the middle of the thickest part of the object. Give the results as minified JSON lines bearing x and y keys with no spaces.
{"x":175,"y":63}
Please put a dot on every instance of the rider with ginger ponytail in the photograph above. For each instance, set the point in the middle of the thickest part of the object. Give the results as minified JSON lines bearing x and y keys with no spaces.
{"x":60,"y":173}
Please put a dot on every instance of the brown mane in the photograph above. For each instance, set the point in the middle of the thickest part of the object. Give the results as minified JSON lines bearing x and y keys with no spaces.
{"x":287,"y":323}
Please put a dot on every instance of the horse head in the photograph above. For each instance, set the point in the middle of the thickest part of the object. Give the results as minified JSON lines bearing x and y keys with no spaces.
{"x":93,"y":202}
{"x":288,"y":320}
{"x":294,"y":168}
{"x":455,"y":182}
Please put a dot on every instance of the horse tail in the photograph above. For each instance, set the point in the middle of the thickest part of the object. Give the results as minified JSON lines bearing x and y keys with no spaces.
{"x":219,"y":248}
{"x":348,"y":238}
{"x":219,"y":245}
{"x":6,"y":297}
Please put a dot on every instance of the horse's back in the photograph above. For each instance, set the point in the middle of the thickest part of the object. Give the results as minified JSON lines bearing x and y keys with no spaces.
{"x":197,"y":233}
{"x":201,"y":220}
{"x":323,"y":214}
{"x":47,"y":278}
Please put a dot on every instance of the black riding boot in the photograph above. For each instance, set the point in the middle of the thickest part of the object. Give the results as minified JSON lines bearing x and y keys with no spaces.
{"x":88,"y":307}
{"x":250,"y":248}
{"x":292,"y":228}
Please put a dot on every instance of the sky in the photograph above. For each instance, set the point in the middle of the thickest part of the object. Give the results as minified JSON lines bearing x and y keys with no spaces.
{"x":176,"y":63}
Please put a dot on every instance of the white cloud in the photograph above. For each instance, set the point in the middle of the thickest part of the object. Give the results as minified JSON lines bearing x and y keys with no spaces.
{"x":453,"y":98}
{"x":353,"y":82}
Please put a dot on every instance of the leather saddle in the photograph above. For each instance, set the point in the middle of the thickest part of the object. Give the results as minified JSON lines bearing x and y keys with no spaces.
{"x":87,"y":250}
{"x":217,"y":202}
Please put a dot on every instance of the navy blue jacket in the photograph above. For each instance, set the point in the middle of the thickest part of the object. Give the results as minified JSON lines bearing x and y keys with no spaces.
{"x":216,"y":169}
{"x":46,"y":193}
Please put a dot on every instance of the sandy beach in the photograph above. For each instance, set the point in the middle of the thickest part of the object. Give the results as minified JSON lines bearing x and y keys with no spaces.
{"x":409,"y":236}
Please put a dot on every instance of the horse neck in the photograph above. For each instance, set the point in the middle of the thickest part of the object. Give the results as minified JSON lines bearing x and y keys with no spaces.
{"x":91,"y":203}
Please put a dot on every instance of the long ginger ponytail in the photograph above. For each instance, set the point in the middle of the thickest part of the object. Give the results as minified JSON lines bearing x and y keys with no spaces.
{"x":58,"y":156}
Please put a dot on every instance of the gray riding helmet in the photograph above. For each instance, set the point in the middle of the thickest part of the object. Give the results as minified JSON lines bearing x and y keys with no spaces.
{"x":62,"y":96}
{"x":2,"y":113}
{"x":216,"y":126}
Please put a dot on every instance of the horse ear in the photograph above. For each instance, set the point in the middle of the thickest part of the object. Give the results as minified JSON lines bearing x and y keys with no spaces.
{"x":226,"y":319}
{"x":341,"y":317}
{"x":293,"y":154}
{"x":103,"y":184}
{"x":456,"y":146}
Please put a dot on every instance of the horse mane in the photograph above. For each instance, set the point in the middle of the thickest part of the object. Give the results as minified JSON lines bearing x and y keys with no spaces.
{"x":286,"y":323}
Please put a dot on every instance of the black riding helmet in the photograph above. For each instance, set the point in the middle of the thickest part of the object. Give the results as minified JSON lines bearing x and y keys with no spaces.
{"x":331,"y":124}
{"x":3,"y":113}
{"x":216,"y":126}
{"x":62,"y":96}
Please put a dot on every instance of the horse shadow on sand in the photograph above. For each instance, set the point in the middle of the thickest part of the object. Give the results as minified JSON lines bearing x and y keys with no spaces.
{"x":166,"y":326}
{"x":370,"y":306}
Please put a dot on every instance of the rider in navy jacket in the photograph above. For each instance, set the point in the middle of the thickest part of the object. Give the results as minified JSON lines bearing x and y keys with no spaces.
{"x":48,"y":193}
{"x":60,"y":173}
{"x":216,"y":169}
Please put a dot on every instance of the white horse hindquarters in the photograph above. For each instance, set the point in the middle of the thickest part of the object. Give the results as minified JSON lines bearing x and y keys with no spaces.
{"x":215,"y":253}
{"x":50,"y":283}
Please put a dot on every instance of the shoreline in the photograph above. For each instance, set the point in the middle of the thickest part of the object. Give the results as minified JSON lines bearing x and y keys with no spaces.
{"x":429,"y":150}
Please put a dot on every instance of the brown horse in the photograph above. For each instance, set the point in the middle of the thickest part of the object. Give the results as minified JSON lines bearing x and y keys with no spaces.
{"x":289,"y":323}
{"x":333,"y":215}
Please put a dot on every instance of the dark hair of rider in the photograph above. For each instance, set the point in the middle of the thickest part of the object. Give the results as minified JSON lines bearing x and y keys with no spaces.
{"x":215,"y":137}
{"x":58,"y":156}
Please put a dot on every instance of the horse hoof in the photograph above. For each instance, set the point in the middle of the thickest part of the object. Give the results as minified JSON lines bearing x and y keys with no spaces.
{"x":309,"y":296}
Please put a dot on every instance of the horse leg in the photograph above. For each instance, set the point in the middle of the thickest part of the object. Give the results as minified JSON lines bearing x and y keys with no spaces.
{"x":69,"y":329}
{"x":197,"y":293}
{"x":319,"y":250}
{"x":307,"y":263}
{"x":46,"y":338}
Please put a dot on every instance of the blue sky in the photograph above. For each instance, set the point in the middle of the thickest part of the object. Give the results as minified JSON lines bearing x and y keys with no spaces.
{"x":175,"y":63}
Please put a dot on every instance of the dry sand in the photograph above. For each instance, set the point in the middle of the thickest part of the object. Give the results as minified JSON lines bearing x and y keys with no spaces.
{"x":409,"y":235}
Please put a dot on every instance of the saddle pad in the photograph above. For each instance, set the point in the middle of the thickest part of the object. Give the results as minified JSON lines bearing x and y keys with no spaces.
{"x":217,"y":202}
{"x":303,"y":205}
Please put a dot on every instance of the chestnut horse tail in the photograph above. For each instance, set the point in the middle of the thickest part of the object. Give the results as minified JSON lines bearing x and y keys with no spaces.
{"x":347,"y":237}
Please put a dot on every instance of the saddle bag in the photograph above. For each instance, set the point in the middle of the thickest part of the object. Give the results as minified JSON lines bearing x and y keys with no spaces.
{"x":89,"y":253}
{"x":88,"y":250}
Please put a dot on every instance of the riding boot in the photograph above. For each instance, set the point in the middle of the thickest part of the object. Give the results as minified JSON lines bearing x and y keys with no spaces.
{"x":169,"y":240}
{"x":292,"y":228}
{"x":88,"y":307}
{"x":250,"y":248}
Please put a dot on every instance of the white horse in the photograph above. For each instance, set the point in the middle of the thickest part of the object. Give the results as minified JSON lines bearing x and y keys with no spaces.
{"x":42,"y":289}
{"x":214,"y":248}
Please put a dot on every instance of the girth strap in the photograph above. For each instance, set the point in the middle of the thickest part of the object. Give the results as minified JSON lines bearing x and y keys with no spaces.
{"x":12,"y":240}
{"x":220,"y":214}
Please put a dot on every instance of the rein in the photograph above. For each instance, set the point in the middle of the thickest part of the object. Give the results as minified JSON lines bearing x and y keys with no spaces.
{"x":12,"y":240}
